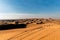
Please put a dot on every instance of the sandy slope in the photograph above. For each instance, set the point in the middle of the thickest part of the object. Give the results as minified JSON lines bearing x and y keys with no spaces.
{"x":48,"y":31}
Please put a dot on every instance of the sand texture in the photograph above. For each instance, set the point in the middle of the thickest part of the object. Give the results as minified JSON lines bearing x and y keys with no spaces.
{"x":49,"y":30}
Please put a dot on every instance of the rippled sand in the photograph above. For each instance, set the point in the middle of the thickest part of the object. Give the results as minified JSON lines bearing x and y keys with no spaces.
{"x":48,"y":31}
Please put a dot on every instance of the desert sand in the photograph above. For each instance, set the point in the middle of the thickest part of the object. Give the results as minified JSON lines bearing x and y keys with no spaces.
{"x":36,"y":29}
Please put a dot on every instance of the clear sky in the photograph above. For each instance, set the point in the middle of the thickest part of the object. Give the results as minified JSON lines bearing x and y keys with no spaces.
{"x":29,"y":8}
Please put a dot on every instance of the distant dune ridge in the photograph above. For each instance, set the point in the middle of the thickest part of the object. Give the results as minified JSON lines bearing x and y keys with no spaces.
{"x":30,"y":29}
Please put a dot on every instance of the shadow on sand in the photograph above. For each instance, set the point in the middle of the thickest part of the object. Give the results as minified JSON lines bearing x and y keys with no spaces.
{"x":12,"y":26}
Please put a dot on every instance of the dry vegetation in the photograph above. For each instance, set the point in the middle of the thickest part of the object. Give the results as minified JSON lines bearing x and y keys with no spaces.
{"x":36,"y":29}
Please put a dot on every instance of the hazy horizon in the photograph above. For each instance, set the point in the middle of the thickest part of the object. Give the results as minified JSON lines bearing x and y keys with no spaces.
{"x":24,"y":16}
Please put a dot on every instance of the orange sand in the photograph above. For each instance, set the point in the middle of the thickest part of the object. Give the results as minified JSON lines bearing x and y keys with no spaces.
{"x":48,"y":31}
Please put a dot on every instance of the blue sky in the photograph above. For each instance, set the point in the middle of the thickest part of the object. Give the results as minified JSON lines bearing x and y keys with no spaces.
{"x":40,"y":7}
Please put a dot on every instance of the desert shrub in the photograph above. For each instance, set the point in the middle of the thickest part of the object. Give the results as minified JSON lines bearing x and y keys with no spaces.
{"x":40,"y":22}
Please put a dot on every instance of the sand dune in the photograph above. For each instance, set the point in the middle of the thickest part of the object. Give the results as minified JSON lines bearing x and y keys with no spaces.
{"x":33,"y":31}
